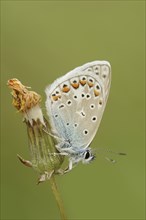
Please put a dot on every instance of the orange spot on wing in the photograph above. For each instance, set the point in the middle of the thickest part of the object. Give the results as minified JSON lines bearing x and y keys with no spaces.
{"x":56,"y":97}
{"x":65,"y":89}
{"x":75,"y":85}
{"x":90,"y":84}
{"x":96,"y":93}
{"x":83,"y":82}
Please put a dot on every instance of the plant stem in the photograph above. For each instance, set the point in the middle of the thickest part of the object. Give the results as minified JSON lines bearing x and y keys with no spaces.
{"x":57,"y":197}
{"x":44,"y":155}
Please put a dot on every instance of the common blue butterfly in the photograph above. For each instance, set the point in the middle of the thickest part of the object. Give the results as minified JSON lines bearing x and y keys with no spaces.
{"x":75,"y":105}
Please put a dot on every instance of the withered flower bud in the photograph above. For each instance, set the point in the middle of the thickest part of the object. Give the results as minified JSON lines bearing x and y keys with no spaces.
{"x":44,"y":156}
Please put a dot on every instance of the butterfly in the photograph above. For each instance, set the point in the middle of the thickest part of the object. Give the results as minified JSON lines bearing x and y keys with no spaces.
{"x":75,"y":104}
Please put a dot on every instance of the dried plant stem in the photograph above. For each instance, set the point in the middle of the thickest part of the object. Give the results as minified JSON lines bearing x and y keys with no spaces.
{"x":44,"y":155}
{"x":57,"y":197}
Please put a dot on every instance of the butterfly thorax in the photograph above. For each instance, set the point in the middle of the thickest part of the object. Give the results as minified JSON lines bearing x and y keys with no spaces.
{"x":76,"y":154}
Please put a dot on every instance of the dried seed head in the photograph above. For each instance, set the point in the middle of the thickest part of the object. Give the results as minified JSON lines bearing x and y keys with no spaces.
{"x":26,"y":101}
{"x":44,"y":156}
{"x":23,"y":99}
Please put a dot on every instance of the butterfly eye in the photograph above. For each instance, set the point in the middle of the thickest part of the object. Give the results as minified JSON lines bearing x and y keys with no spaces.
{"x":87,"y":155}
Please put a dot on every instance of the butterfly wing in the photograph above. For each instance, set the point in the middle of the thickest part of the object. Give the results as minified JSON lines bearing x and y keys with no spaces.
{"x":76,"y":102}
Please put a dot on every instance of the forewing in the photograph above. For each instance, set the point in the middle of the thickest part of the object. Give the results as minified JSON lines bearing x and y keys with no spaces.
{"x":76,"y":102}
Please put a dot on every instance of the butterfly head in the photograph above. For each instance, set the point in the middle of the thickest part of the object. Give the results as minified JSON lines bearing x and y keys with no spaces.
{"x":87,"y":156}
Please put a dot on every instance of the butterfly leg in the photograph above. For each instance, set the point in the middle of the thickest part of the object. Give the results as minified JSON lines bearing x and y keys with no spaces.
{"x":59,"y":153}
{"x":69,"y":168}
{"x":71,"y":165}
{"x":52,"y":135}
{"x":60,"y":172}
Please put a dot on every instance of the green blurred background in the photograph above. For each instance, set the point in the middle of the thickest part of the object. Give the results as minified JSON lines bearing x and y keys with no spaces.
{"x":42,"y":40}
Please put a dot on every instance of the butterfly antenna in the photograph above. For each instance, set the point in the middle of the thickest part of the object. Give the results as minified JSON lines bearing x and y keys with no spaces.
{"x":102,"y":150}
{"x":105,"y":151}
{"x":110,"y":160}
{"x":117,"y":153}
